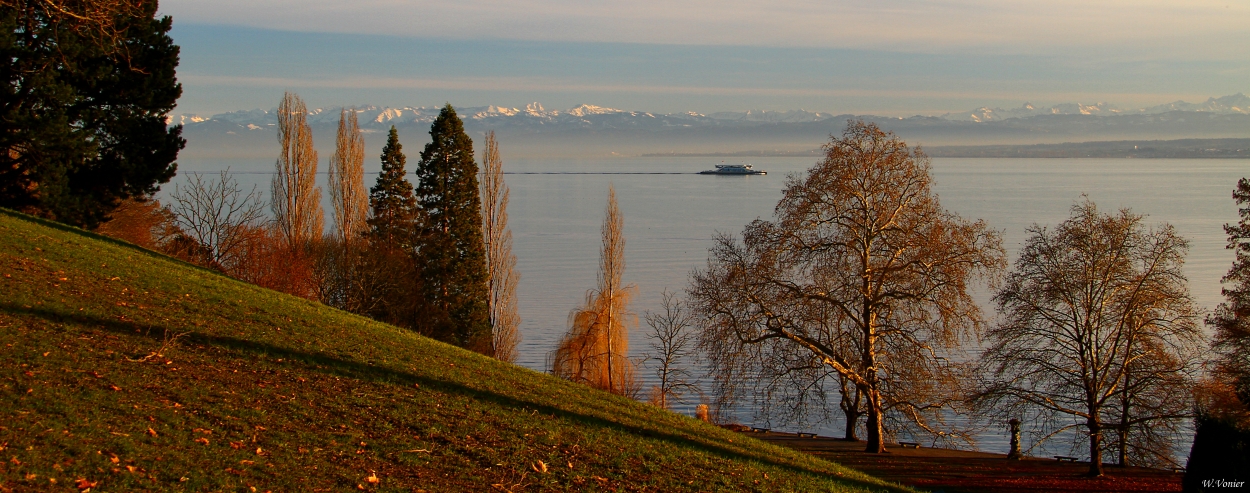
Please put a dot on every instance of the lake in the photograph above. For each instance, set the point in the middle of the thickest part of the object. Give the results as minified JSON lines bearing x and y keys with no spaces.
{"x":671,"y":215}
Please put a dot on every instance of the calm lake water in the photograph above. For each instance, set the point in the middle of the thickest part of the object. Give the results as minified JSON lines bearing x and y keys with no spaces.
{"x":671,"y":215}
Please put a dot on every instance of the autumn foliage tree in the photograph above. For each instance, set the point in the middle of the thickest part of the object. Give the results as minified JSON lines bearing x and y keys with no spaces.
{"x":594,"y":349}
{"x":862,"y":275}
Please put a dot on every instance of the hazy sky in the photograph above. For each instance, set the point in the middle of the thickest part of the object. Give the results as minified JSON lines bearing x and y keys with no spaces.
{"x":883,"y":57}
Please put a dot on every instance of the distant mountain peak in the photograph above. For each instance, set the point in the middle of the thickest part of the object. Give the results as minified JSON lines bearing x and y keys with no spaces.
{"x":1231,"y":104}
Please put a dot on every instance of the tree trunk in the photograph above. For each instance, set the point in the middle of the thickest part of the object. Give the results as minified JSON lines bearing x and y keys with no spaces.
{"x":850,"y":405}
{"x":876,"y":442}
{"x":1095,"y":448}
{"x":852,"y":420}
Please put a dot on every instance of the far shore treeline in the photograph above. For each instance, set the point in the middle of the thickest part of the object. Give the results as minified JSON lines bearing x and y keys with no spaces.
{"x":855,"y":299}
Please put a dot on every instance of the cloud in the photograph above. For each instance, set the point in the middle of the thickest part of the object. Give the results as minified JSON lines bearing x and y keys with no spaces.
{"x":1197,"y":27}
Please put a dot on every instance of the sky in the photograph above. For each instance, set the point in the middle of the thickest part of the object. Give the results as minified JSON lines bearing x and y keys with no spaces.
{"x":887,"y":57}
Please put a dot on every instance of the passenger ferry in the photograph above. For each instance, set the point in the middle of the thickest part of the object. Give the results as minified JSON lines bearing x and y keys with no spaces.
{"x":733,"y":169}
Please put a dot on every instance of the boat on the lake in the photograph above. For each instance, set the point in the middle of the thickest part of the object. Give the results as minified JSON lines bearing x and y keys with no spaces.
{"x":733,"y":169}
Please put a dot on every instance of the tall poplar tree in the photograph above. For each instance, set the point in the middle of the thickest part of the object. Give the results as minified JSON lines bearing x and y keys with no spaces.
{"x":452,"y":249}
{"x":296,"y":199}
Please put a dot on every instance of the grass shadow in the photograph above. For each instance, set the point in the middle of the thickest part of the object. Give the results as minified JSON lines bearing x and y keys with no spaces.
{"x":340,"y":366}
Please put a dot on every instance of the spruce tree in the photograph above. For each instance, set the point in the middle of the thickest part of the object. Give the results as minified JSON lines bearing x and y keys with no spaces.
{"x":452,"y":251}
{"x":389,"y":283}
{"x":394,"y":206}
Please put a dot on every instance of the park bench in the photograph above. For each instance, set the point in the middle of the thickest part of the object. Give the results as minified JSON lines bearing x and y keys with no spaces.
{"x":759,"y":430}
{"x":909,"y":444}
{"x":807,"y":435}
{"x":1064,"y":458}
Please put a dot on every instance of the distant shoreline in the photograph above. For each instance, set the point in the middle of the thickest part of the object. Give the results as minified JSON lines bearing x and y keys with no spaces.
{"x":1122,"y":149}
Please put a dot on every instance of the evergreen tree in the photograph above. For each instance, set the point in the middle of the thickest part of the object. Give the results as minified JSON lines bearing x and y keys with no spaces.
{"x":394,"y":206}
{"x":452,"y":250}
{"x":388,"y":283}
{"x":1231,"y":319}
{"x":83,"y":100}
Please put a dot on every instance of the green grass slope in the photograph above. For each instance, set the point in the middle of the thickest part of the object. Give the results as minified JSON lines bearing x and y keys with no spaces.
{"x":267,"y":392}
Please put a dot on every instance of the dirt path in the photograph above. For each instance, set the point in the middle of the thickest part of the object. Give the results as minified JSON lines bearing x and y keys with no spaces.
{"x":958,"y":471}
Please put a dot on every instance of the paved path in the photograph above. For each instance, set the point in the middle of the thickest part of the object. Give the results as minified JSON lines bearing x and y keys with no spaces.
{"x":961,"y":471}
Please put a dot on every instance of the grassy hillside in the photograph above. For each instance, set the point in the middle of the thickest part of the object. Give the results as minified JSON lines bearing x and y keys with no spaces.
{"x":266,"y":392}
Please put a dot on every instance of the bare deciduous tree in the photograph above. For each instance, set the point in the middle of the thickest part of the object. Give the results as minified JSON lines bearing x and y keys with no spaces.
{"x":217,"y":215}
{"x":1098,"y":332}
{"x":595,"y":348}
{"x":500,"y":261}
{"x":863,"y":274}
{"x":347,"y":180}
{"x":671,"y":344}
{"x":296,"y":199}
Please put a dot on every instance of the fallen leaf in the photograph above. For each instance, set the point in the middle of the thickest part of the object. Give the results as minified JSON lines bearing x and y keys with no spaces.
{"x":82,"y":484}
{"x":114,"y":388}
{"x":259,"y":451}
{"x":373,"y":478}
{"x":540,"y":467}
{"x":201,"y":440}
{"x":151,"y":432}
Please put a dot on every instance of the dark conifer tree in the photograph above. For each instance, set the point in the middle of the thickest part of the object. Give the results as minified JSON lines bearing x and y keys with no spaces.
{"x":1231,"y":319}
{"x":390,"y":280}
{"x":394,"y":206}
{"x":452,"y":252}
{"x":82,"y":109}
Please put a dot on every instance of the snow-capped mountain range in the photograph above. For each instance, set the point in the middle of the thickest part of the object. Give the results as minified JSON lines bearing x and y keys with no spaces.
{"x":533,"y":113}
{"x":595,"y":130}
{"x":1233,"y":104}
{"x":373,"y":117}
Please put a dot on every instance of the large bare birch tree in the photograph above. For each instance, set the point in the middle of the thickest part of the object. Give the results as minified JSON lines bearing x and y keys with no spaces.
{"x":347,"y":180}
{"x":500,"y":261}
{"x":862,"y":275}
{"x":296,"y":199}
{"x":1098,"y":333}
{"x":594,"y":349}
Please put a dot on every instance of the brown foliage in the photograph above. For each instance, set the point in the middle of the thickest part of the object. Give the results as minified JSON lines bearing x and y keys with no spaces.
{"x":266,"y":259}
{"x":142,"y":222}
{"x":594,"y":349}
